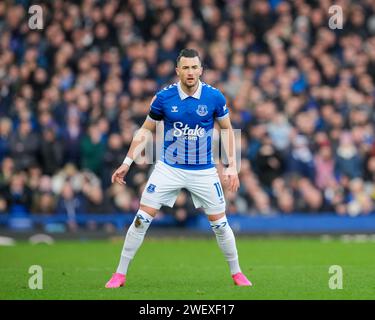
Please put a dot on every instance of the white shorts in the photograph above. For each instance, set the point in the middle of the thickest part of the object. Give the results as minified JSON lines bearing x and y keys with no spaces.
{"x":165,"y":183}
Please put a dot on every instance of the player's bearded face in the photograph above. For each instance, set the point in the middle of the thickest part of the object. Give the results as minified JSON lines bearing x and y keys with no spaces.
{"x":189,"y":70}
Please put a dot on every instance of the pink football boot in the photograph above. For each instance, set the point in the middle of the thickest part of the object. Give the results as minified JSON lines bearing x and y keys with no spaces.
{"x":117,"y":280}
{"x":241,"y":280}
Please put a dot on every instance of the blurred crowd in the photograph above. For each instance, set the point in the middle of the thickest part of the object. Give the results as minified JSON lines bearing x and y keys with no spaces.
{"x":73,"y":94}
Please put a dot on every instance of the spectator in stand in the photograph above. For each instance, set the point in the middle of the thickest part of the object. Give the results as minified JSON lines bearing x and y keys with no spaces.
{"x":359,"y":200}
{"x":369,"y":175}
{"x":113,"y":155}
{"x":44,"y":200}
{"x":51,"y":151}
{"x":269,"y":163}
{"x":70,"y":203}
{"x":301,"y":158}
{"x":348,"y":161}
{"x":92,"y":150}
{"x":95,"y":201}
{"x":72,"y":135}
{"x":7,"y":171}
{"x":45,"y":203}
{"x":282,"y":196}
{"x":5,"y":132}
{"x":24,"y":146}
{"x":17,"y":195}
{"x":324,"y":164}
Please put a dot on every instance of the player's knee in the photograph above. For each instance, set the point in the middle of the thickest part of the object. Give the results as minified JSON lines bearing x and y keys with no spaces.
{"x":215,"y":217}
{"x":149,"y":210}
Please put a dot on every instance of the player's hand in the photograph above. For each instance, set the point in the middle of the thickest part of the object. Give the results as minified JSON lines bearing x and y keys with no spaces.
{"x":119,"y":175}
{"x":230,"y":179}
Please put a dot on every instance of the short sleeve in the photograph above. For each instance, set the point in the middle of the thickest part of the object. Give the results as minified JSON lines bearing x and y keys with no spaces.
{"x":156,"y":108}
{"x":221,"y":110}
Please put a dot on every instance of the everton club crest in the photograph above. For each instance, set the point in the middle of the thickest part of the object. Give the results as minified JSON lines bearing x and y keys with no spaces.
{"x":202,"y":110}
{"x":151,"y":188}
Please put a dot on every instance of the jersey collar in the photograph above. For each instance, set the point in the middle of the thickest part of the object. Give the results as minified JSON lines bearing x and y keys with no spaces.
{"x":196,"y":95}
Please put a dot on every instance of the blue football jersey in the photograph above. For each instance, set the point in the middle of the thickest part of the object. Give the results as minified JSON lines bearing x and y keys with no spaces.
{"x":188,"y":124}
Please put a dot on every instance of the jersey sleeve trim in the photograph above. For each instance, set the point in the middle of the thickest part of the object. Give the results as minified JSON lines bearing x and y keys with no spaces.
{"x":222,"y":117}
{"x":150,"y":119}
{"x":154,"y":116}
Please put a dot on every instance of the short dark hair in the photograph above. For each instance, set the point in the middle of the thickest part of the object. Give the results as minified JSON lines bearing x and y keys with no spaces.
{"x":188,"y":53}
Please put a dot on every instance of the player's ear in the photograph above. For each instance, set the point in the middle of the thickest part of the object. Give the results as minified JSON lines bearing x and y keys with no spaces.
{"x":201,"y":71}
{"x":177,"y":71}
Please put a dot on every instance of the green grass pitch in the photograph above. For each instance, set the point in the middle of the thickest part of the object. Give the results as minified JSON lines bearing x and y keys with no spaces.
{"x":184,"y":268}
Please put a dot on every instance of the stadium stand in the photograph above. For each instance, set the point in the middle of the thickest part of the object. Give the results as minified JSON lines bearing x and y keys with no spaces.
{"x":73,"y":93}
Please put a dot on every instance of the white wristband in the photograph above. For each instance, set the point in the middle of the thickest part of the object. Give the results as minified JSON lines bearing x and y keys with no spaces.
{"x":128,"y":161}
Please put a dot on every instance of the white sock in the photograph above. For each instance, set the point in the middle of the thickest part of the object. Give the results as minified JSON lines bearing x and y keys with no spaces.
{"x":227,"y":243}
{"x":133,"y":240}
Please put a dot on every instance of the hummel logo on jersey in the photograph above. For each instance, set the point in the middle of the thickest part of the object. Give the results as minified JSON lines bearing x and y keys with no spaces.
{"x":225,"y":107}
{"x":202,"y":110}
{"x":174,"y":109}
